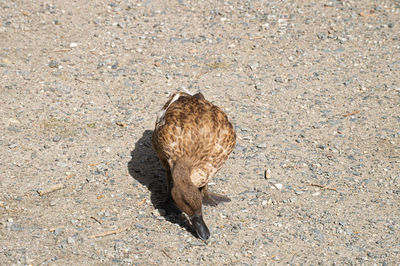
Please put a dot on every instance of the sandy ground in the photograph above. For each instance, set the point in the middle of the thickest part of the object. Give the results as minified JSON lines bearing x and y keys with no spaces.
{"x":312,"y":87}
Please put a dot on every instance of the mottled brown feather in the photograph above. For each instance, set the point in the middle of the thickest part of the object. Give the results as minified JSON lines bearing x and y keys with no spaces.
{"x":190,"y":127}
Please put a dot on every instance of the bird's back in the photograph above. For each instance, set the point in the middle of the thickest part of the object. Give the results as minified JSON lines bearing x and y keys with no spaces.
{"x":191,"y":127}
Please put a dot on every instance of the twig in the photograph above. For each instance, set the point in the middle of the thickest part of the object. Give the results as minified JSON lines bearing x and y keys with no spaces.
{"x":166,"y":254}
{"x":70,"y":176}
{"x":49,"y":189}
{"x":86,"y":82}
{"x":97,"y":220}
{"x":363,"y":14}
{"x":61,"y":50}
{"x":201,"y":74}
{"x":107,"y":233}
{"x":142,"y":201}
{"x":322,"y":186}
{"x":350,"y":114}
{"x":121,"y":124}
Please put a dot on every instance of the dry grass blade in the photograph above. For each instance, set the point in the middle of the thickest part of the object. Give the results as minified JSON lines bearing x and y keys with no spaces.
{"x":322,"y":186}
{"x":107,"y":233}
{"x":350,"y":114}
{"x":49,"y":189}
{"x":61,"y":50}
{"x":166,"y":254}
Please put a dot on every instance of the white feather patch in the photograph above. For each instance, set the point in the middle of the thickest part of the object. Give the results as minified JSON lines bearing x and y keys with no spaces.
{"x":161,"y":114}
{"x":188,"y":92}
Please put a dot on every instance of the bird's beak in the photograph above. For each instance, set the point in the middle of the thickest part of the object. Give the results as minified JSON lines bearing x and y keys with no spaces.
{"x":200,"y":227}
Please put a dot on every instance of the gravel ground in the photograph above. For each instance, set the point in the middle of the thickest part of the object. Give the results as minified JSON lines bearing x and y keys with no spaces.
{"x":312,"y":87}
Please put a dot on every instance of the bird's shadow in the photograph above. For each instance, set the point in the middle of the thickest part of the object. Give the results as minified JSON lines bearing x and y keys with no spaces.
{"x":146,"y":168}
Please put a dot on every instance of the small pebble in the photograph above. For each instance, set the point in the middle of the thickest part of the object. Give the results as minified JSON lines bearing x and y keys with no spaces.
{"x":267,"y":174}
{"x":58,"y":231}
{"x":253,"y":65}
{"x":54,"y":64}
{"x":16,"y":227}
{"x":158,"y":212}
{"x":12,"y":146}
{"x":262,"y":145}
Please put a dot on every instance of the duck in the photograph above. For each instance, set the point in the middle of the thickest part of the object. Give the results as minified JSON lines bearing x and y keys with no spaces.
{"x":192,"y":138}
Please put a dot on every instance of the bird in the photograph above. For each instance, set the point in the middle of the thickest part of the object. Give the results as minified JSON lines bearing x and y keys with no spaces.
{"x":192,"y":138}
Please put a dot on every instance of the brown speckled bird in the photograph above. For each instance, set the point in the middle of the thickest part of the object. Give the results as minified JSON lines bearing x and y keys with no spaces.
{"x":193,"y":139}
